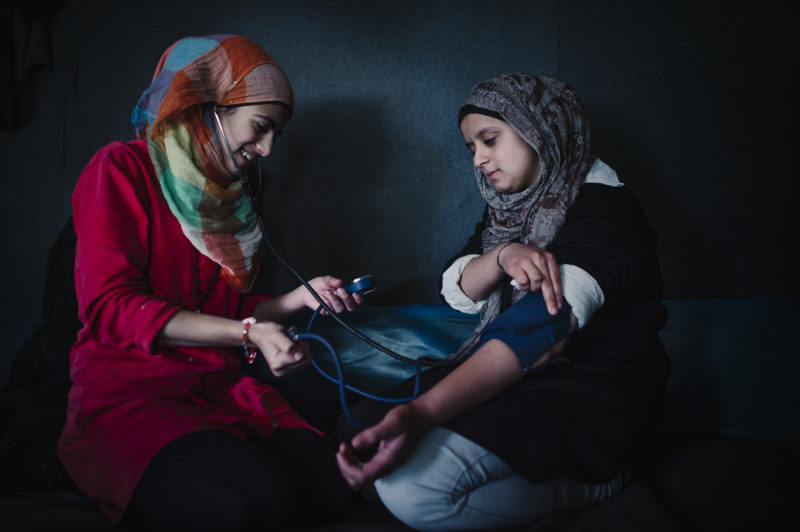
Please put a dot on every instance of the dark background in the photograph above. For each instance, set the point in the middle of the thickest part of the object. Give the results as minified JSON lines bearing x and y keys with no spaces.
{"x":689,"y":101}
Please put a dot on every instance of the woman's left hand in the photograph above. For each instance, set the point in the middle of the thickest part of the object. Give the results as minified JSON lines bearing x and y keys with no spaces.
{"x":283,"y":354}
{"x":534,"y":270}
{"x":332,"y":291}
{"x":395,"y":436}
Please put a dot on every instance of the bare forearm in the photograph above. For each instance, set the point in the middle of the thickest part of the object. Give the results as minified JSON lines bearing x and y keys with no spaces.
{"x":193,"y":329}
{"x":280,"y":307}
{"x":492,"y":369}
{"x":481,"y":276}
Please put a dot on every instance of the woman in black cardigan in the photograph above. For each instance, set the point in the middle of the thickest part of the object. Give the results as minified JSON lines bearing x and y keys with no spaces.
{"x":561,"y":385}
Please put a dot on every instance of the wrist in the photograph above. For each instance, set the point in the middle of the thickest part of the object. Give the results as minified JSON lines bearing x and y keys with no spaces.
{"x":296,"y":299}
{"x":247,"y":343}
{"x":424,"y":413}
{"x":500,"y":249}
{"x":286,"y":304}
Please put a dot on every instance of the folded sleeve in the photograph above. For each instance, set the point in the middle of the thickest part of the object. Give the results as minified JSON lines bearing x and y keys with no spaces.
{"x":581,"y":291}
{"x":450,"y":285}
{"x":451,"y":291}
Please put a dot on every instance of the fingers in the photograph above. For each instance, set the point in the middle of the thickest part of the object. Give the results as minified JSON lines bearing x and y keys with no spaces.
{"x":282,"y":354}
{"x":346,"y":298}
{"x":546,"y":269}
{"x":357,"y":474}
{"x":331,"y":301}
{"x":285,"y":362}
{"x":394,"y":438}
{"x":531,"y":276}
{"x":369,"y":437}
{"x":332,"y":291}
{"x":282,"y":363}
{"x":554,"y":275}
{"x":349,"y":467}
{"x":536,"y":270}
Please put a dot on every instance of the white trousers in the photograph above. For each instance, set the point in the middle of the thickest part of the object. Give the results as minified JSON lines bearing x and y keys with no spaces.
{"x":452,"y":483}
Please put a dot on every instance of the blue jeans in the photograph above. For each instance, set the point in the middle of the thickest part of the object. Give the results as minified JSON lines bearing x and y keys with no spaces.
{"x":452,"y":483}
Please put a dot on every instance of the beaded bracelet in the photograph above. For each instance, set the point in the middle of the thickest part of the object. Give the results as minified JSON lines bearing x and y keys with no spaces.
{"x":249,"y":352}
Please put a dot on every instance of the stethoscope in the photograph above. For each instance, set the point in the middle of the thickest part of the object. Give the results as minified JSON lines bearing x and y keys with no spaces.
{"x":362,"y":285}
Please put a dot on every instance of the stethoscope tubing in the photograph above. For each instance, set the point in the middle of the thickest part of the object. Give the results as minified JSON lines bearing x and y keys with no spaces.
{"x":308,"y":335}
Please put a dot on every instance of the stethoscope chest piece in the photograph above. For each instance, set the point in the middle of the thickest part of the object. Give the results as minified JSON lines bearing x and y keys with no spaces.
{"x":362,"y":285}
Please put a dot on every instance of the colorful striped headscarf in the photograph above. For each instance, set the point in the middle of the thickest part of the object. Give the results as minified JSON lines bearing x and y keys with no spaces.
{"x":550,"y":117}
{"x":175,"y":116}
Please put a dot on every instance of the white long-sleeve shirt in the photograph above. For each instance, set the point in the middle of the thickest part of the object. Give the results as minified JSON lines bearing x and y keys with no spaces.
{"x":580,"y":289}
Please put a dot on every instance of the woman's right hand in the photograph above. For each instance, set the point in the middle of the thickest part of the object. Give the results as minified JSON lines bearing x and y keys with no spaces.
{"x":333,"y":292}
{"x":394,"y":437}
{"x":283,"y":355}
{"x":533,"y":269}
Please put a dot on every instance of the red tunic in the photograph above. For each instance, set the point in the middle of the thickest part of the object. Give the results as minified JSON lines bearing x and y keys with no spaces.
{"x":131,"y":396}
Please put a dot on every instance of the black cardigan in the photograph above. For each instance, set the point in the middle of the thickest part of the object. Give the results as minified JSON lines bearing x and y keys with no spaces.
{"x":591,"y":417}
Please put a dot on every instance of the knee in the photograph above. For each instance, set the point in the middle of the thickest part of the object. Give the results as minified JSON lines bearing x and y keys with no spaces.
{"x":431,"y":490}
{"x":416,"y":502}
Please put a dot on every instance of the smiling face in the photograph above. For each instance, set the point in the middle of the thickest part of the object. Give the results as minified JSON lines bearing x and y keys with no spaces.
{"x":250,"y":130}
{"x":507,"y":161}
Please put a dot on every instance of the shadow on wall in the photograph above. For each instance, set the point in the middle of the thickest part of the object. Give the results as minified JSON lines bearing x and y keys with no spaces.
{"x":331,"y":207}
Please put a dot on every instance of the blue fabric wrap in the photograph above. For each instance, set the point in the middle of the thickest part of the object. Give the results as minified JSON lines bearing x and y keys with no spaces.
{"x":528,"y":328}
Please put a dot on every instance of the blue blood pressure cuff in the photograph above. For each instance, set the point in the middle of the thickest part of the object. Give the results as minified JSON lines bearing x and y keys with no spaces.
{"x":528,"y":328}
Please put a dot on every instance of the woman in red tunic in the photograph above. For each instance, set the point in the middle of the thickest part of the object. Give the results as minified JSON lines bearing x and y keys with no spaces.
{"x":162,"y":424}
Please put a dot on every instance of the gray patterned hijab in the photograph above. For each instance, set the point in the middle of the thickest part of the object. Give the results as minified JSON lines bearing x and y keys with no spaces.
{"x":548,"y":115}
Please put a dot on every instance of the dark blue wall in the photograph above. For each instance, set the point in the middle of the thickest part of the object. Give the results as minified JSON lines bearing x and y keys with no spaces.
{"x":688,"y":101}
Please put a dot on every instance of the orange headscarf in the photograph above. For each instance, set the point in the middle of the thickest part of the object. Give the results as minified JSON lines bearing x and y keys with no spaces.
{"x":174,"y":114}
